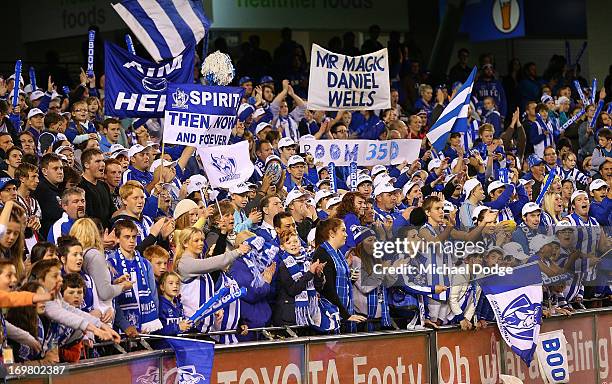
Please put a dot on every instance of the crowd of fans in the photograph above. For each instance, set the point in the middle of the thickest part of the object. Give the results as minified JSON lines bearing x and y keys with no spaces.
{"x":101,"y":237}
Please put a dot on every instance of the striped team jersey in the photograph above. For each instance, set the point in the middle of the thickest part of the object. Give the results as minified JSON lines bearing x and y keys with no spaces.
{"x":470,"y":136}
{"x":196,"y":291}
{"x":549,"y":140}
{"x":572,"y":174}
{"x":575,"y":288}
{"x":437,"y":259}
{"x":231,"y":313}
{"x":588,"y":234}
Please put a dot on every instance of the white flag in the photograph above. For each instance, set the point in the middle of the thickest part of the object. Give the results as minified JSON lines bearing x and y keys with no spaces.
{"x":227,"y":165}
{"x":552,"y":357}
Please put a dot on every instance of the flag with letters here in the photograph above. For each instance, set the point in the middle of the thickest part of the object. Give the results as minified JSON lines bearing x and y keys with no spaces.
{"x":200,"y":115}
{"x":136,"y":87}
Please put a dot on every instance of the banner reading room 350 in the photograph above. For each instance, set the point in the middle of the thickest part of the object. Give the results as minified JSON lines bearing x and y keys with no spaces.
{"x":340,"y":82}
{"x":200,"y":116}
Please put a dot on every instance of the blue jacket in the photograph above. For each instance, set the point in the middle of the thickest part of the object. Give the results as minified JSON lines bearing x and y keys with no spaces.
{"x":493,"y":88}
{"x":493,"y":118}
{"x":170,"y":314}
{"x":72,"y":132}
{"x":601,"y":211}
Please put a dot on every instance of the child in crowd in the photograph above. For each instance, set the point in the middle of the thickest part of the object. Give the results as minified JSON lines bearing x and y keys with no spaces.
{"x":568,"y":170}
{"x":158,"y":257}
{"x":71,"y":341}
{"x":171,"y":312}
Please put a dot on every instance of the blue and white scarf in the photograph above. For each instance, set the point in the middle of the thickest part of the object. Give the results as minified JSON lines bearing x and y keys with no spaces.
{"x":288,"y":127}
{"x":378,"y":297}
{"x":137,"y":303}
{"x":307,"y":309}
{"x":344,"y":287}
{"x":261,"y":255}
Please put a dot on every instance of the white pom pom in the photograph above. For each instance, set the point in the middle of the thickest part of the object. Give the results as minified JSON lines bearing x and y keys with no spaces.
{"x":218,"y":69}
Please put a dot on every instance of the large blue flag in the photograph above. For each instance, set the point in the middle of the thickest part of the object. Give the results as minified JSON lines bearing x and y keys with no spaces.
{"x":516,"y":300}
{"x":164,"y":27}
{"x":136,"y":87}
{"x":194,"y":360}
{"x":454,"y":116}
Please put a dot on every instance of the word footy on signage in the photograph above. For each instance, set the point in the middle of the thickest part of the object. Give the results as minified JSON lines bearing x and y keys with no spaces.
{"x":199,"y":115}
{"x":136,"y":87}
{"x":363,"y":152}
{"x":339,"y":82}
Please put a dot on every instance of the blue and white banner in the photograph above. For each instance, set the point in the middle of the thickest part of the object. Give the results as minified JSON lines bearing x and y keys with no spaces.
{"x":454,"y":116}
{"x":165,"y":27}
{"x":200,"y":115}
{"x":340,"y":82}
{"x":362,"y":152}
{"x":517,"y":304}
{"x":194,"y":360}
{"x":136,"y":87}
{"x":224,"y":299}
{"x":552,"y":357}
{"x":227,"y":165}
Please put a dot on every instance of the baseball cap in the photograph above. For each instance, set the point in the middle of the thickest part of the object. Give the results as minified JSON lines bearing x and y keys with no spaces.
{"x":258,"y":112}
{"x":295,"y":159}
{"x":284,"y":142}
{"x":12,"y":77}
{"x":117,"y":150}
{"x":530,"y":207}
{"x":384,"y":188}
{"x":62,"y":148}
{"x":383,"y":178}
{"x":196,"y":183}
{"x":323,"y":181}
{"x":293,"y":195}
{"x":539,"y":241}
{"x":476,"y":212}
{"x":6,"y":181}
{"x":261,"y":126}
{"x":137,"y":148}
{"x":434,"y":163}
{"x":448,"y":207}
{"x":534,"y":160}
{"x":307,"y":137}
{"x":34,"y":112}
{"x":244,"y":79}
{"x":158,"y":162}
{"x":239,"y":189}
{"x":525,"y":182}
{"x":378,"y":169}
{"x":596,"y":184}
{"x":183,"y":207}
{"x":333,"y":201}
{"x":36,"y":95}
{"x":469,"y":186}
{"x":578,"y":193}
{"x":244,"y":111}
{"x":322,"y":194}
{"x":266,"y":79}
{"x":408,"y":187}
{"x":496,"y":184}
{"x":564,"y":225}
{"x":448,"y":178}
{"x":272,"y":158}
{"x":515,"y":250}
{"x":363,"y":179}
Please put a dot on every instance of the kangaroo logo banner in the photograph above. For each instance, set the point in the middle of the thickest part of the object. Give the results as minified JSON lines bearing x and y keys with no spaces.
{"x":136,"y":87}
{"x":199,"y":115}
{"x":340,"y":82}
{"x":227,"y":165}
{"x":362,"y":152}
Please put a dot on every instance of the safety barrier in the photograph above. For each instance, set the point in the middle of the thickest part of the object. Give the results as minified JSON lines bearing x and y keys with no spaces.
{"x":391,"y":357}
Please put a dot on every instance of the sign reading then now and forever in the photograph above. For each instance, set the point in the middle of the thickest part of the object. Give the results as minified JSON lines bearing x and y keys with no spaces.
{"x":199,"y":115}
{"x":340,"y":82}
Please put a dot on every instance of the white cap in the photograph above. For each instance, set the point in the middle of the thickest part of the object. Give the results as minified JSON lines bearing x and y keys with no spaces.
{"x":261,"y":126}
{"x":378,"y":169}
{"x":258,"y":112}
{"x":578,"y":193}
{"x":496,"y":184}
{"x":362,"y":178}
{"x":295,"y":159}
{"x":117,"y":150}
{"x":62,"y":148}
{"x":469,"y":186}
{"x":453,"y":163}
{"x":196,"y":183}
{"x":383,"y":178}
{"x":384,"y":188}
{"x":239,"y":189}
{"x":525,"y":182}
{"x":434,"y":163}
{"x":158,"y":162}
{"x":183,"y":207}
{"x":271,"y":158}
{"x":307,"y":137}
{"x":12,"y":77}
{"x":322,"y":194}
{"x":294,"y":194}
{"x":564,"y":224}
{"x":449,"y":177}
{"x":135,"y":149}
{"x":34,"y":112}
{"x":596,"y":184}
{"x":515,"y":250}
{"x":448,"y":206}
{"x":323,"y":181}
{"x":28,"y":88}
{"x":408,"y":187}
{"x":36,"y":95}
{"x":562,"y":100}
{"x":333,"y":201}
{"x":285,"y":142}
{"x":539,"y":241}
{"x":477,"y":210}
{"x":530,"y":207}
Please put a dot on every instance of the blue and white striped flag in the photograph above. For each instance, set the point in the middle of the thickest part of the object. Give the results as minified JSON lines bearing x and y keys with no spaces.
{"x":454,"y":116}
{"x":164,"y":27}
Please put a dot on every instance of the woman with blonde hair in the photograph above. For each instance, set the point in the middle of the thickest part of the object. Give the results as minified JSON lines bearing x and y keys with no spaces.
{"x":552,"y":210}
{"x":198,"y":285}
{"x":94,"y":264}
{"x":12,"y":243}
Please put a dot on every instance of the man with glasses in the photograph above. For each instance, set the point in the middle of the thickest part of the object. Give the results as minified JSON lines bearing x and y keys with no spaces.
{"x":296,"y":168}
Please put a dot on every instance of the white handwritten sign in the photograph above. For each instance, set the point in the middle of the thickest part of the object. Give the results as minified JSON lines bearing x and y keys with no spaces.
{"x":362,"y":152}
